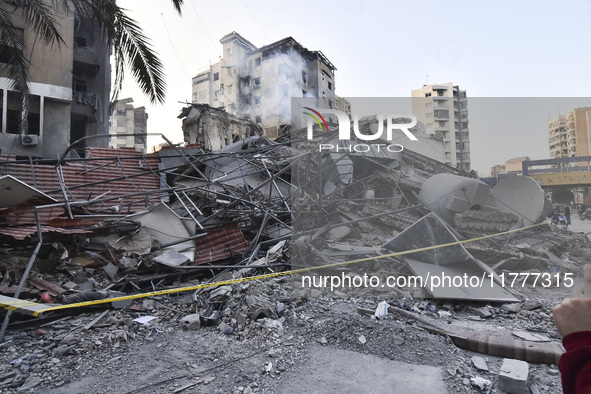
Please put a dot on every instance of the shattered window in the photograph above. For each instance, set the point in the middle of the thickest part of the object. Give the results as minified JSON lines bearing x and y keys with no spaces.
{"x":216,"y":95}
{"x":257,"y":82}
{"x":216,"y":76}
{"x":257,"y":101}
{"x":257,"y":62}
{"x":304,"y":76}
{"x":329,"y":85}
{"x":258,"y":119}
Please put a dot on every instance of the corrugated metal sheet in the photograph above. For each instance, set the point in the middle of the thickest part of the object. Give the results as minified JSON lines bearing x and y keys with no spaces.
{"x":219,"y":243}
{"x":26,"y":215}
{"x":23,"y":232}
{"x":89,"y":179}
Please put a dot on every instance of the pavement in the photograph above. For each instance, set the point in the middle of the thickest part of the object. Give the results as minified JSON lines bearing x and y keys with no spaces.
{"x":345,"y":371}
{"x":580,"y":226}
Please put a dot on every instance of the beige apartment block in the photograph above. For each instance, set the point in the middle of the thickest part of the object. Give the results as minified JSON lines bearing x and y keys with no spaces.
{"x":443,"y":108}
{"x":259,"y":83}
{"x":569,"y":135}
{"x":126,"y":120}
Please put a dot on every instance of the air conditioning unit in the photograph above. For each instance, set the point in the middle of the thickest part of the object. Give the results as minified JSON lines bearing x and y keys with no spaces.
{"x":29,"y":139}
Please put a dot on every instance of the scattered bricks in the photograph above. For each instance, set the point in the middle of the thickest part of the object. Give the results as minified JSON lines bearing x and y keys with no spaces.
{"x":480,"y":363}
{"x":191,"y":322}
{"x":513,"y":376}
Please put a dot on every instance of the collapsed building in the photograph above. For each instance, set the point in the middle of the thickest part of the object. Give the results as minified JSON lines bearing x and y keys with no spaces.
{"x":120,"y":224}
{"x":214,"y":128}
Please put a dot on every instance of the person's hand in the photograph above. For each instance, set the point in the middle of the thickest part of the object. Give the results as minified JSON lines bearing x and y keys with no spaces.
{"x":574,"y":314}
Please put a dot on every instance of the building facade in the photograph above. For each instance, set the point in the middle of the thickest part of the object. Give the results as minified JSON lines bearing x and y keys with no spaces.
{"x":258,"y":83}
{"x":497,"y":169}
{"x":69,"y":85}
{"x":515,"y":166}
{"x":443,"y":108}
{"x":125,"y":119}
{"x":569,"y":135}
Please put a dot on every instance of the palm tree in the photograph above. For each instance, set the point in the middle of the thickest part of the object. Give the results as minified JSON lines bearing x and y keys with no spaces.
{"x":131,"y":48}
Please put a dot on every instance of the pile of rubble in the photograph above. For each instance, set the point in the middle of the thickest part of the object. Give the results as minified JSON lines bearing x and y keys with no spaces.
{"x":120,"y":249}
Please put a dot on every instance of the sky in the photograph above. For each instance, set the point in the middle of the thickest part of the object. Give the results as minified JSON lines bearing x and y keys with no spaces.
{"x":521,"y":63}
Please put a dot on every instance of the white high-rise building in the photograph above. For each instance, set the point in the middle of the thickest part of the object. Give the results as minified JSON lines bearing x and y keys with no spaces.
{"x":443,"y":108}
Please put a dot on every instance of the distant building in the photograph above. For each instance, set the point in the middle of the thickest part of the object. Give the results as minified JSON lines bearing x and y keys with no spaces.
{"x":258,"y":83}
{"x":497,"y":169}
{"x":443,"y":108}
{"x":125,"y":119}
{"x":69,"y":83}
{"x":514,"y":166}
{"x":569,"y":135}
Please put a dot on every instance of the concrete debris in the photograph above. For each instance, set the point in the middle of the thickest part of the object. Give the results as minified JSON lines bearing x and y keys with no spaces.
{"x":479,"y":363}
{"x":513,"y":376}
{"x":191,"y":322}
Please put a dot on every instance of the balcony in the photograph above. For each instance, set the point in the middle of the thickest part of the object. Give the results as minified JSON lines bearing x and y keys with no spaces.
{"x":84,"y":103}
{"x":86,"y":60}
{"x":442,"y":129}
{"x":84,"y":98}
{"x":440,"y":98}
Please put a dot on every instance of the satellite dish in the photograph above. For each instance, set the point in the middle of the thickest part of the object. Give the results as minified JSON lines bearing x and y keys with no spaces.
{"x":521,"y":196}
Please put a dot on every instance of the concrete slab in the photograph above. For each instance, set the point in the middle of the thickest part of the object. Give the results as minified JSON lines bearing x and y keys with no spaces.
{"x":345,"y":371}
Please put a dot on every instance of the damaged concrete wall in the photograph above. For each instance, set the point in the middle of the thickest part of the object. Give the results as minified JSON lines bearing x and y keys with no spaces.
{"x":214,"y":128}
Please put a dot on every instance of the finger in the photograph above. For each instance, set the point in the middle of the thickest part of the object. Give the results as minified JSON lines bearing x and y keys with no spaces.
{"x":587,"y":276}
{"x":578,"y":292}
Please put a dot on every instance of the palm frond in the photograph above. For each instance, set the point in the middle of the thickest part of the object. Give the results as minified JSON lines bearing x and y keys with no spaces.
{"x":18,"y":66}
{"x":131,"y":45}
{"x":131,"y":48}
{"x":177,"y":4}
{"x":43,"y":21}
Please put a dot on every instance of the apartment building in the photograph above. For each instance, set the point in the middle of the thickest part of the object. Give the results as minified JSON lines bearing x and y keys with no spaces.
{"x":126,"y":120}
{"x":569,"y":135}
{"x":258,"y":83}
{"x":69,"y":85}
{"x":443,"y":108}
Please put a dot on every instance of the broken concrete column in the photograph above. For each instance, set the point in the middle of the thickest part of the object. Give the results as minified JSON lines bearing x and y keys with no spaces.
{"x":513,"y":376}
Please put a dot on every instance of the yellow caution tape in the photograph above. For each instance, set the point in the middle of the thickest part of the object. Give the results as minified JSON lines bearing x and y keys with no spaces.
{"x":17,"y":303}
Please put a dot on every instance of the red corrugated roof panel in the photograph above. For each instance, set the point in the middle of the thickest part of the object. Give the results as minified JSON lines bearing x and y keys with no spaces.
{"x":89,"y":179}
{"x":219,"y":243}
{"x":23,"y":232}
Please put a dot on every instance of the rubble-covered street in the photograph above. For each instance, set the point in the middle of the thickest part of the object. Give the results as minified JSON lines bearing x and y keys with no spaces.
{"x":137,"y":271}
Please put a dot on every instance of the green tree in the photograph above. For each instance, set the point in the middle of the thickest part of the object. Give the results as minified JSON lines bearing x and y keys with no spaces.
{"x":131,"y":47}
